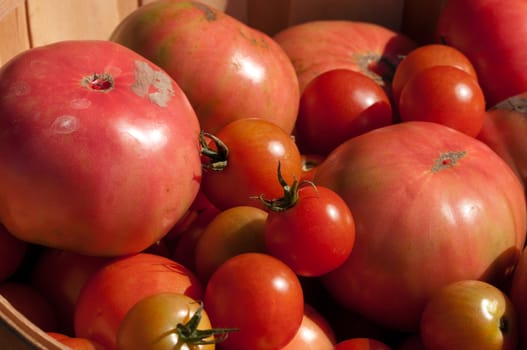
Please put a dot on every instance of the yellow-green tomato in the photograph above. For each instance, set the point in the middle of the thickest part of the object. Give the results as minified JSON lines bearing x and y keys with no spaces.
{"x":165,"y":321}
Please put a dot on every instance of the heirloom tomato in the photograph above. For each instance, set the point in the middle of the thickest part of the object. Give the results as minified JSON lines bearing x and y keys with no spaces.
{"x":227,"y":69}
{"x":99,"y":148}
{"x":431,"y":206}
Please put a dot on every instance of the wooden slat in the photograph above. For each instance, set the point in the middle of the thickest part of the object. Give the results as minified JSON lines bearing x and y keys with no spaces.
{"x":56,"y":20}
{"x":13,"y":30}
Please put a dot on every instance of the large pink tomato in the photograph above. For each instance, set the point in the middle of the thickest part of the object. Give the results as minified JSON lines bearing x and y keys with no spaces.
{"x":432,"y":206}
{"x":318,"y":46}
{"x":227,"y":69}
{"x":99,"y":148}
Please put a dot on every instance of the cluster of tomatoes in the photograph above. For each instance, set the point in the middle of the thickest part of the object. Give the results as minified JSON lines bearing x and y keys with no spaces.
{"x":251,"y":262}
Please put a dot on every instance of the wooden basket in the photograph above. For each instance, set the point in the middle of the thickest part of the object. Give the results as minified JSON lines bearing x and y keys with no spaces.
{"x":30,"y":23}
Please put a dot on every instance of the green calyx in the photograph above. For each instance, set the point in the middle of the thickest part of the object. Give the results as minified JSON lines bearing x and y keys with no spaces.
{"x":218,"y":156}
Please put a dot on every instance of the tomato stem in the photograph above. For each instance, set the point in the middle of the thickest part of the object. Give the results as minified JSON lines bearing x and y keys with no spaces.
{"x":190,"y":334}
{"x":218,"y":157}
{"x":290,"y":197}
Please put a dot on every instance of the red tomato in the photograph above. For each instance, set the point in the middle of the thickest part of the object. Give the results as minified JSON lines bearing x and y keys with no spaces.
{"x":30,"y":303}
{"x":243,"y":165}
{"x":427,"y":56}
{"x":361,"y":344}
{"x":337,"y":105}
{"x":314,"y":333}
{"x":59,"y":276}
{"x":227,"y":69}
{"x":12,"y":253}
{"x":445,"y":95}
{"x":98,"y":148}
{"x":504,"y":131}
{"x":117,"y":286}
{"x":233,"y":231}
{"x":422,"y":218}
{"x":258,"y":294}
{"x":310,"y":228}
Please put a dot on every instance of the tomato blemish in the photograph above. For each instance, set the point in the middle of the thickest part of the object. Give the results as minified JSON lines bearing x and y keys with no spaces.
{"x":447,"y":160}
{"x":98,"y":82}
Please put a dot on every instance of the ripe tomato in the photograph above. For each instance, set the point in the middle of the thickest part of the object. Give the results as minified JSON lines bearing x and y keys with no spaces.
{"x":98,"y":148}
{"x":227,"y":69}
{"x":422,"y":218}
{"x":59,"y":276}
{"x":258,"y":294}
{"x":445,"y":95}
{"x":314,"y":333}
{"x":240,"y":162}
{"x":12,"y":253}
{"x":427,"y":56}
{"x":310,"y":228}
{"x":166,"y":321}
{"x":233,"y":231}
{"x":117,"y":286}
{"x":337,"y":105}
{"x":361,"y":344}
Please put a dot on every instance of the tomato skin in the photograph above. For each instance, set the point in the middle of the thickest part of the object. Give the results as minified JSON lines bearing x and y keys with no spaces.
{"x":396,"y":183}
{"x":258,"y":294}
{"x":361,"y":344}
{"x":255,"y":148}
{"x":60,"y":275}
{"x":233,"y":231}
{"x":226,"y":68}
{"x":12,"y":253}
{"x":314,"y":333}
{"x":445,"y":95}
{"x":78,"y":110}
{"x":337,"y":105}
{"x":427,"y":56}
{"x":75,"y":343}
{"x":164,"y":311}
{"x":315,"y":235}
{"x":118,"y":285}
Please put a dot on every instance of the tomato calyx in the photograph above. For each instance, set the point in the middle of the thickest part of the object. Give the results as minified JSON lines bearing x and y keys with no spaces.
{"x":189,"y":333}
{"x":290,"y":197}
{"x":217,"y":157}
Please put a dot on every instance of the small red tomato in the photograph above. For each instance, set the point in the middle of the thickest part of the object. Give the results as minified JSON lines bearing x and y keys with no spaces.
{"x":362,"y":344}
{"x":259,"y":295}
{"x":337,"y":105}
{"x":310,"y":228}
{"x":445,"y":95}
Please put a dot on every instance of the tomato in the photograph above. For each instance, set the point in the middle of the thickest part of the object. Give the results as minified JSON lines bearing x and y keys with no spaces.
{"x":99,"y":148}
{"x":174,"y":321}
{"x":117,"y":286}
{"x":75,"y":343}
{"x":504,"y":130}
{"x":241,"y":159}
{"x":227,"y":69}
{"x":444,"y":95}
{"x":493,"y":37}
{"x":422,"y":218}
{"x":317,"y":46}
{"x":12,"y":253}
{"x":258,"y":294}
{"x":310,"y":228}
{"x":427,"y":56}
{"x":59,"y":276}
{"x":233,"y":231}
{"x":337,"y":105}
{"x":314,"y":333}
{"x":362,"y":344}
{"x":30,"y":303}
